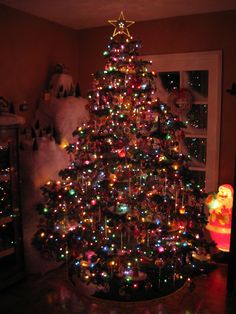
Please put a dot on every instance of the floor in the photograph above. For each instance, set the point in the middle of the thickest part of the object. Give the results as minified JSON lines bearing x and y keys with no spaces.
{"x":54,"y":294}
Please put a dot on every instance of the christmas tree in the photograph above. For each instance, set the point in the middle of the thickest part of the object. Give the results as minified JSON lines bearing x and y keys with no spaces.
{"x":126,"y":215}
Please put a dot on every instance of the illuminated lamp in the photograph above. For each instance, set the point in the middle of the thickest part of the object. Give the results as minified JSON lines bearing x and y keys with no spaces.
{"x":219,"y":221}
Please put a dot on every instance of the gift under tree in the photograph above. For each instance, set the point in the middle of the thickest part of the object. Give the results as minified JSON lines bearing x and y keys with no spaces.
{"x":126,"y":215}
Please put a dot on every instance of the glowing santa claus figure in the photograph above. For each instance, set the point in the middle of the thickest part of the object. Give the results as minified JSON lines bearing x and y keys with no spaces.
{"x":219,"y":221}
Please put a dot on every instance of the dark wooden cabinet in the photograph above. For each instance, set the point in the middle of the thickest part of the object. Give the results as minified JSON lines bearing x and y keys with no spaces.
{"x":11,"y":240}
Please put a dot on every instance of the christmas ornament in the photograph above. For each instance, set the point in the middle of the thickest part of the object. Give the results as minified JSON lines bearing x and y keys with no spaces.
{"x":182,"y":210}
{"x":121,"y":152}
{"x":121,"y":25}
{"x":122,"y":208}
{"x":93,"y":202}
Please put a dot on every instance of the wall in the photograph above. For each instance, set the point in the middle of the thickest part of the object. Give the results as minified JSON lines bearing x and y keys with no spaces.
{"x":215,"y":31}
{"x":30,"y":46}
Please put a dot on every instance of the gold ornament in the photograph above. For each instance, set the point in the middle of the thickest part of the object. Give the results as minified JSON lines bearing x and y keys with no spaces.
{"x":121,"y":25}
{"x":84,"y":264}
{"x":175,"y":166}
{"x":113,"y":177}
{"x":182,"y":210}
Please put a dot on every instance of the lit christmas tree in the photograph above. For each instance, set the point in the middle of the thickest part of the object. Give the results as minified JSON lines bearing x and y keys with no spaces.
{"x":126,"y":215}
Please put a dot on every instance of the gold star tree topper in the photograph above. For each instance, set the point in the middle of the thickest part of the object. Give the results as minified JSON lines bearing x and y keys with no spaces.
{"x":121,"y":25}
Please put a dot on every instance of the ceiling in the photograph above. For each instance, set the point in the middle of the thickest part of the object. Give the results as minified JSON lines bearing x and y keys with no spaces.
{"x":79,"y":14}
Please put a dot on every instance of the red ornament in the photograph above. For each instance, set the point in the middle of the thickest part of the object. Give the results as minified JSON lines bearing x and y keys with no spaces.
{"x":93,"y":202}
{"x":121,"y":152}
{"x":120,"y":197}
{"x":159,"y":262}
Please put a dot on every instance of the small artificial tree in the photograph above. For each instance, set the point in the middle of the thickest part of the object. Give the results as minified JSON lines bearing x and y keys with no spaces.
{"x":126,"y":214}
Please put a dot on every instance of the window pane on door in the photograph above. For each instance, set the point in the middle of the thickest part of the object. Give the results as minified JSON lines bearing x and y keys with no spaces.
{"x":169,"y":80}
{"x":196,"y":148}
{"x":198,"y":82}
{"x":197,"y":116}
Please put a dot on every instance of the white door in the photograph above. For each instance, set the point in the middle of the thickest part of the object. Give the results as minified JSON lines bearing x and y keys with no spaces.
{"x":194,"y":78}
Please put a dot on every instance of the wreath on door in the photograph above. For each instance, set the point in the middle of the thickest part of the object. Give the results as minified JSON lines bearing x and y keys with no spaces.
{"x":180,"y":101}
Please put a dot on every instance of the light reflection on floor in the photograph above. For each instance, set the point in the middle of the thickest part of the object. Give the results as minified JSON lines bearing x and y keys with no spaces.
{"x":54,"y":294}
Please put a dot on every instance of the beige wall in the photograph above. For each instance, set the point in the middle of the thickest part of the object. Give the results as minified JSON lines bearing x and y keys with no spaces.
{"x":29,"y":48}
{"x":215,"y":31}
